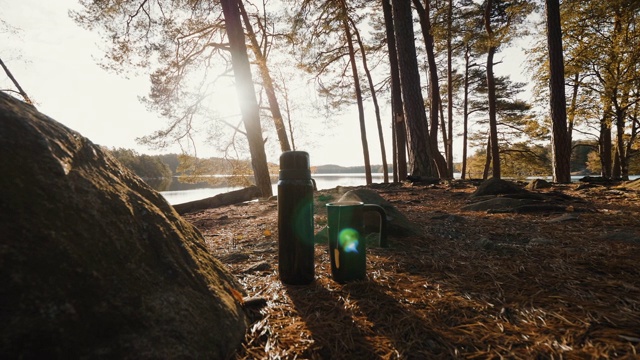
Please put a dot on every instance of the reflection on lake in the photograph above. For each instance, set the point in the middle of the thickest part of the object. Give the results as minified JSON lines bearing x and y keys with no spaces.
{"x":183,"y":196}
{"x":177,"y":192}
{"x":210,"y":181}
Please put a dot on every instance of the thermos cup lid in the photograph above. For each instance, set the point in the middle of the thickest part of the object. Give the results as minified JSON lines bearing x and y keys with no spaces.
{"x":294,"y":165}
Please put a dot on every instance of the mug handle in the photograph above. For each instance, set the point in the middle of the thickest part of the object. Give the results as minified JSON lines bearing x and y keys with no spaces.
{"x":383,"y":222}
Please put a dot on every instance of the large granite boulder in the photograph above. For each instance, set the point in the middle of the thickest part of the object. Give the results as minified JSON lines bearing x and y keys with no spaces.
{"x":398,"y":224}
{"x":494,"y":186}
{"x":93,"y":262}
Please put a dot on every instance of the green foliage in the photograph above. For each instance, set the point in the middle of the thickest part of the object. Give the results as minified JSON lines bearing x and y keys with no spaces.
{"x":594,"y":165}
{"x":172,"y":160}
{"x":519,"y":161}
{"x":475,"y":164}
{"x":179,"y":41}
{"x":515,"y":120}
{"x":580,"y":157}
{"x":176,"y":42}
{"x":593,"y":162}
{"x":522,"y":160}
{"x":600,"y":41}
{"x":189,"y":169}
{"x":145,"y":166}
{"x":321,"y":46}
{"x":194,"y":170}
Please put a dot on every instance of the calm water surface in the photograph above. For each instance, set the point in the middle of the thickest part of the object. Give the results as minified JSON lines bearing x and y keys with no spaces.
{"x":323,"y":181}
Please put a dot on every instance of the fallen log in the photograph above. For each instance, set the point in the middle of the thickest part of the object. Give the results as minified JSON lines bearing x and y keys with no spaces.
{"x":232,"y":197}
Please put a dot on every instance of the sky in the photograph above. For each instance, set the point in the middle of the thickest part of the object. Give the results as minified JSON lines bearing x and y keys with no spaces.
{"x":56,"y":63}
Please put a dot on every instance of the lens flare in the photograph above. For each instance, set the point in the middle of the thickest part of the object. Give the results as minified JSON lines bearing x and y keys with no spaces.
{"x":349,"y":240}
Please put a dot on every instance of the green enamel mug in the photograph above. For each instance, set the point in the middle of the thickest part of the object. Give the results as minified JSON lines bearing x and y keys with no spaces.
{"x":347,"y":245}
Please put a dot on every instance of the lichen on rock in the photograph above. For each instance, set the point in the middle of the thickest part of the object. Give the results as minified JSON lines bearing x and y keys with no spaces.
{"x":93,"y":262}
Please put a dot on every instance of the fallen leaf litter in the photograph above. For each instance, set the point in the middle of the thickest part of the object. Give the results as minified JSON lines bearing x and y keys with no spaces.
{"x":476,"y":285}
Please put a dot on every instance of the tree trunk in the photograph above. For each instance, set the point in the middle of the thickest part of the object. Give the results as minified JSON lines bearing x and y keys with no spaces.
{"x":605,"y":143}
{"x":374,"y":99}
{"x":420,"y":150}
{"x":397,"y":116}
{"x":445,"y":139}
{"x":571,"y":116}
{"x":465,"y":113}
{"x":394,"y":152}
{"x":620,"y":161}
{"x":616,"y":93}
{"x":358,"y":90}
{"x":487,"y":163}
{"x":561,"y":143}
{"x":285,"y":94}
{"x":22,"y":93}
{"x":246,"y":95}
{"x":229,"y":198}
{"x":631,"y":140}
{"x":491,"y":93}
{"x":434,"y":87}
{"x":267,"y":81}
{"x":615,"y":168}
{"x":449,"y":144}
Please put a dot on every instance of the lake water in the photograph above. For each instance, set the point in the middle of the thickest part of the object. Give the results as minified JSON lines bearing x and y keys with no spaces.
{"x":323,"y":181}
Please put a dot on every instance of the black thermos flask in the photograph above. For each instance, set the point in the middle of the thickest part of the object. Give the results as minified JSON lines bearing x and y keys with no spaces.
{"x":295,"y":219}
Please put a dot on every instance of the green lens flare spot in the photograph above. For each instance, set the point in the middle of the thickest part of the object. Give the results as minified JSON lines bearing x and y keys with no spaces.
{"x":349,"y":239}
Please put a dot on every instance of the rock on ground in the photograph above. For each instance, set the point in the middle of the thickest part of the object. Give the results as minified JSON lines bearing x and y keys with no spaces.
{"x":499,"y":203}
{"x":495,"y":186}
{"x":93,"y":262}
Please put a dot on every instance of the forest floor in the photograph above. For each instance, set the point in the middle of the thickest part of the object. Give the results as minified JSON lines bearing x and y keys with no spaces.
{"x":473,"y":284}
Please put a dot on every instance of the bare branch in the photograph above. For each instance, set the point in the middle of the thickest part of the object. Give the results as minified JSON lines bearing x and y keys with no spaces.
{"x":131,"y":17}
{"x":236,"y":128}
{"x":16,"y":84}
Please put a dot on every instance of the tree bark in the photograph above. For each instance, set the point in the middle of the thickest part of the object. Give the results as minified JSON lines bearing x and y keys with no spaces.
{"x":605,"y":143}
{"x":620,"y":99}
{"x":374,"y":99}
{"x":465,"y":113}
{"x":633,"y":137}
{"x":267,"y":81}
{"x":24,"y":95}
{"x":420,"y":150}
{"x":571,"y":115}
{"x":487,"y":163}
{"x":397,"y":113}
{"x":246,"y":95}
{"x":358,"y":90}
{"x":491,"y":93}
{"x":232,"y":197}
{"x":449,"y":144}
{"x":445,"y":139}
{"x":561,"y":142}
{"x":434,"y":88}
{"x":629,"y":148}
{"x":620,"y":166}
